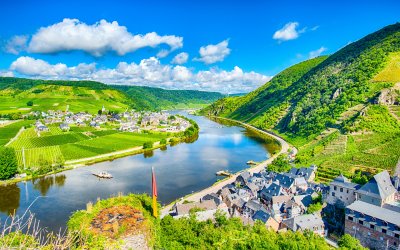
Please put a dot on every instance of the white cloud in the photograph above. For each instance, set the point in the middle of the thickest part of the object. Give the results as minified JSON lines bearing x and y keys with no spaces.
{"x":6,"y":73}
{"x":316,"y":53}
{"x":96,"y":39}
{"x":180,"y":58}
{"x":149,"y":72}
{"x":214,"y":53}
{"x":16,"y":44}
{"x":288,"y":32}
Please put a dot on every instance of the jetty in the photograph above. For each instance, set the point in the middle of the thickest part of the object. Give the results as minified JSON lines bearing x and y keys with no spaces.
{"x":103,"y":175}
{"x":223,"y":173}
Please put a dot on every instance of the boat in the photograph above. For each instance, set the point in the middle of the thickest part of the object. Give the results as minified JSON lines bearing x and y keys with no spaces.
{"x":251,"y":162}
{"x":223,"y":173}
{"x":103,"y":174}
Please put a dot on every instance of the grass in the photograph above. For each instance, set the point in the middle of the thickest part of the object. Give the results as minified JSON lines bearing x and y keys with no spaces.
{"x":391,"y":72}
{"x":55,"y":97}
{"x":9,"y":131}
{"x":34,"y":157}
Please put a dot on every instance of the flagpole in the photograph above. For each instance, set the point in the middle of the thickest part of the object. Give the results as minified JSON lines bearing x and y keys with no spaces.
{"x":154,"y":192}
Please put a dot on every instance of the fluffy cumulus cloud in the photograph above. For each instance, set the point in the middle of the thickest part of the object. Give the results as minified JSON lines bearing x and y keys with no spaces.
{"x":95,"y":39}
{"x":316,"y":53}
{"x":148,"y":72}
{"x":180,"y":58}
{"x":214,"y":52}
{"x":29,"y":66}
{"x":288,"y":32}
{"x":16,"y":44}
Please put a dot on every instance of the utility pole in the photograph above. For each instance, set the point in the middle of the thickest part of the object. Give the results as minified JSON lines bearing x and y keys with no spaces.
{"x":23,"y":157}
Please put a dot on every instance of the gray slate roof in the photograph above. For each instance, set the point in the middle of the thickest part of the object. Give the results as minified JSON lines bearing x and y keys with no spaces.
{"x":306,"y":221}
{"x":379,"y":187}
{"x":376,"y":211}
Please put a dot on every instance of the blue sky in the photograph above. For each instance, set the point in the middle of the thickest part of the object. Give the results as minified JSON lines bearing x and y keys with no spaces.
{"x":228,"y":46}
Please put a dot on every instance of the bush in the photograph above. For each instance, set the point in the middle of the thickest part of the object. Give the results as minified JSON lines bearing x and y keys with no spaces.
{"x":147,"y":145}
{"x":29,"y":103}
{"x":8,"y":163}
{"x":163,"y":141}
{"x":349,"y":242}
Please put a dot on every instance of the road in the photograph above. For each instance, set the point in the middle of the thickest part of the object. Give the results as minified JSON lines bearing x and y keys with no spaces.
{"x":213,"y":189}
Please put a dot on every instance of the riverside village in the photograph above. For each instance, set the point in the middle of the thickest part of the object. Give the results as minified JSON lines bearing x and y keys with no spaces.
{"x":293,"y":201}
{"x":128,"y":121}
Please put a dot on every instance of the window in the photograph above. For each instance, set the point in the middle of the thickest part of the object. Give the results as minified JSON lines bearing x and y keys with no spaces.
{"x":333,"y":194}
{"x":360,"y":222}
{"x":334,"y":188}
{"x":350,"y":218}
{"x":341,"y":190}
{"x":384,"y":230}
{"x":372,"y":226}
{"x":397,"y":236}
{"x":347,"y":191}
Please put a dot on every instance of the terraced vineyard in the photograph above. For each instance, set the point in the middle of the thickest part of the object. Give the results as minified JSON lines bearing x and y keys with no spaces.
{"x":55,"y":146}
{"x":9,"y":131}
{"x":38,"y":156}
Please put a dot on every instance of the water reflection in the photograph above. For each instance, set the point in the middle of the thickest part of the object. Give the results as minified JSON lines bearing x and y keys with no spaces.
{"x":9,"y":199}
{"x":44,"y":184}
{"x":180,"y":169}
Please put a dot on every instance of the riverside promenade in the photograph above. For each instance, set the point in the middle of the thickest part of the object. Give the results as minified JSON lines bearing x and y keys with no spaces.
{"x":257,"y":168}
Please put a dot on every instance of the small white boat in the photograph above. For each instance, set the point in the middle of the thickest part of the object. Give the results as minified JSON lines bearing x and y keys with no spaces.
{"x":103,"y":174}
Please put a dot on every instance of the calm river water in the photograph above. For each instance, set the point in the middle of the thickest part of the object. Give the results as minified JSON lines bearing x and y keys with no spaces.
{"x":180,"y":170}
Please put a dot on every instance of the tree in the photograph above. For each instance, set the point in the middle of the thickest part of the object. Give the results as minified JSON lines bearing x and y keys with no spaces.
{"x":349,"y":242}
{"x":29,"y":103}
{"x":8,"y":163}
{"x":147,"y":145}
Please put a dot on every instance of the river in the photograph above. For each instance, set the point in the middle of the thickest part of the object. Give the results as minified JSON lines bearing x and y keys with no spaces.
{"x":180,"y":170}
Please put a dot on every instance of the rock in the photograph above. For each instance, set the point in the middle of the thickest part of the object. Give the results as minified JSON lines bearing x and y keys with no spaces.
{"x":135,"y":242}
{"x":387,"y":97}
{"x":336,"y":93}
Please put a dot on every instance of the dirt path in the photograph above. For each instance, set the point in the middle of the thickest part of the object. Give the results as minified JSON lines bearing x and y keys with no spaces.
{"x":213,"y":189}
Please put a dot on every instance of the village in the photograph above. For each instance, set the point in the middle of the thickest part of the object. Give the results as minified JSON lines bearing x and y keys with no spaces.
{"x":289,"y":201}
{"x":128,"y":121}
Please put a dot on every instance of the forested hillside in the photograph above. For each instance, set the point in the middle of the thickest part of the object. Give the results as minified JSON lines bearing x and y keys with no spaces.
{"x":154,"y":98}
{"x":19,"y":95}
{"x":326,"y":106}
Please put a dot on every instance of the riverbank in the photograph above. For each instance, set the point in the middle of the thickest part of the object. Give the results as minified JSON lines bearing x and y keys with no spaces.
{"x":285,"y":147}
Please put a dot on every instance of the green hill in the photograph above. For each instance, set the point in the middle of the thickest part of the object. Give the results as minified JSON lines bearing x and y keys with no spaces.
{"x":155,"y":98}
{"x":338,"y":110}
{"x":15,"y":93}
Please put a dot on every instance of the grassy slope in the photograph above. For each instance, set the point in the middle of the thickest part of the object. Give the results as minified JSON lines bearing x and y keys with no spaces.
{"x":302,"y":106}
{"x":91,"y":96}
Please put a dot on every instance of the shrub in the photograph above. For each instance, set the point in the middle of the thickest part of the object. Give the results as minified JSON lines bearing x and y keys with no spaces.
{"x":163,"y":141}
{"x":29,"y":103}
{"x":8,"y":163}
{"x":147,"y":145}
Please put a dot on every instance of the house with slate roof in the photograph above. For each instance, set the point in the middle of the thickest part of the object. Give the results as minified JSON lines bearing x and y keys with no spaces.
{"x":378,"y":191}
{"x":342,"y":192}
{"x":310,"y":222}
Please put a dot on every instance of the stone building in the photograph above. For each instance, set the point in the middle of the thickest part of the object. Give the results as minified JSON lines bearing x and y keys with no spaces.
{"x":376,"y":227}
{"x":342,"y":192}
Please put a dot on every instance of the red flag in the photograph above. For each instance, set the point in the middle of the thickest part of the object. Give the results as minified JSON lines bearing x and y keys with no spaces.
{"x":154,"y":186}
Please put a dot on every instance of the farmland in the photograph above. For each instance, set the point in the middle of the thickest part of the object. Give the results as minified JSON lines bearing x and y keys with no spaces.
{"x":56,"y":147}
{"x":9,"y":131}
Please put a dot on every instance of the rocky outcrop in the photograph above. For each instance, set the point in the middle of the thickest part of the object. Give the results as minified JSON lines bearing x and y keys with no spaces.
{"x":388,"y":97}
{"x":337,"y":93}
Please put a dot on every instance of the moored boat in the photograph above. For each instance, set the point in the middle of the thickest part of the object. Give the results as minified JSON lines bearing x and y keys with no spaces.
{"x":103,"y":174}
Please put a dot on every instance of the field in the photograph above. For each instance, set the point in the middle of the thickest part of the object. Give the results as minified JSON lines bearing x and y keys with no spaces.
{"x":391,"y":72}
{"x":56,"y":146}
{"x":9,"y":131}
{"x":53,"y":97}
